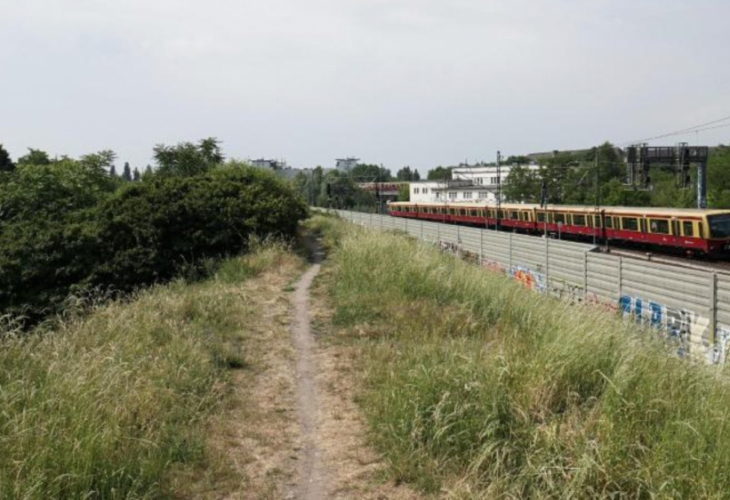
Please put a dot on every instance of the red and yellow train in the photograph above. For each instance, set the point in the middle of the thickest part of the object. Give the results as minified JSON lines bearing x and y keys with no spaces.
{"x":691,"y":231}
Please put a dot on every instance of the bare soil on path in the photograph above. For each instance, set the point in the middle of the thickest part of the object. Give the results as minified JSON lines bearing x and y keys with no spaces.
{"x":292,"y":429}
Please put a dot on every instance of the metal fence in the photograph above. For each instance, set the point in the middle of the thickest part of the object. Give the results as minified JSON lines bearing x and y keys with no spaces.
{"x":692,"y":306}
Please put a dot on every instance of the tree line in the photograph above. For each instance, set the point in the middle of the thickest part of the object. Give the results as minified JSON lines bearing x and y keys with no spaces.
{"x":69,"y":228}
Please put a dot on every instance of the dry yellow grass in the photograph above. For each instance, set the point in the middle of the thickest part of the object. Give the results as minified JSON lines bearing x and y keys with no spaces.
{"x":116,"y":404}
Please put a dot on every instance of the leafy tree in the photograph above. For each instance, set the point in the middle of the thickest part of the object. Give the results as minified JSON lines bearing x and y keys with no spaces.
{"x":151,"y":229}
{"x":187,"y":159}
{"x":615,"y":193}
{"x":135,"y":175}
{"x":404,"y":192}
{"x":101,"y":161}
{"x":370,"y":173}
{"x":34,"y":157}
{"x":522,"y":185}
{"x":127,"y":173}
{"x":518,"y":160}
{"x":405,"y":174}
{"x":6,"y":164}
{"x":439,"y":173}
{"x":340,"y":190}
{"x":718,"y":178}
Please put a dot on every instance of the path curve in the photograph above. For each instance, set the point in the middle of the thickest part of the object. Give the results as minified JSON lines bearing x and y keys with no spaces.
{"x":313,"y":478}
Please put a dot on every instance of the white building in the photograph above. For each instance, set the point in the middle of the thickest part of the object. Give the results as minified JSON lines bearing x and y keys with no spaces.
{"x":346,"y":164}
{"x":269,"y":164}
{"x":470,"y":183}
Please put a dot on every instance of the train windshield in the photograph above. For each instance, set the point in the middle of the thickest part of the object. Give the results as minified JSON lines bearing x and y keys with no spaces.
{"x":719,"y":226}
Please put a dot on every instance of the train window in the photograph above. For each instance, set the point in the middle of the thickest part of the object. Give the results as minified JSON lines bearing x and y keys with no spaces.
{"x":579,"y":220}
{"x":687,"y":228}
{"x":474,"y":213}
{"x":541,"y":217}
{"x":526,"y":216}
{"x":660,"y":226}
{"x":462,"y":212}
{"x":700,"y":231}
{"x":629,"y":223}
{"x":514,"y":215}
{"x":559,"y":218}
{"x":597,"y":221}
{"x":609,"y":222}
{"x":500,"y":214}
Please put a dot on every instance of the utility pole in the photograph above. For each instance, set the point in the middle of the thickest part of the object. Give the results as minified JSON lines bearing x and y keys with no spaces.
{"x":598,"y":194}
{"x":499,"y":187}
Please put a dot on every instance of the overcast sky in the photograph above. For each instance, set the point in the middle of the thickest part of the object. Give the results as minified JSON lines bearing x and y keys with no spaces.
{"x":398,"y":82}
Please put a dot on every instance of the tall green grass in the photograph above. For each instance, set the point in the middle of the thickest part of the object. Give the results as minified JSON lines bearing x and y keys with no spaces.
{"x":106,"y":406}
{"x":476,"y":384}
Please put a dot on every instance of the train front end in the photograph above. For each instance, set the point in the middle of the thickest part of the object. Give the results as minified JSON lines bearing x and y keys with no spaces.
{"x":718,"y":237}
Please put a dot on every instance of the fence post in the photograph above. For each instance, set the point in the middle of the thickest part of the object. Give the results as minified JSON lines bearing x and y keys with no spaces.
{"x":620,"y":278}
{"x":585,"y":276}
{"x":510,"y":253}
{"x":713,"y":310}
{"x":421,"y":229}
{"x":406,"y":224}
{"x":481,"y":247}
{"x":381,"y":222}
{"x":547,"y":262}
{"x":438,"y":233}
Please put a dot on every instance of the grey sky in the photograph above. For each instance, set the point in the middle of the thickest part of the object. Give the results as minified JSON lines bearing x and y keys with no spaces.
{"x":399,"y":82}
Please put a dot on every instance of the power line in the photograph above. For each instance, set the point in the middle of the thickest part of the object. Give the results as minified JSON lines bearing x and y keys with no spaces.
{"x":696,"y":128}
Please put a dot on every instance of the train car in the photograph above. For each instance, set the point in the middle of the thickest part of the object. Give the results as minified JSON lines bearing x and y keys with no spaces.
{"x":690,"y":231}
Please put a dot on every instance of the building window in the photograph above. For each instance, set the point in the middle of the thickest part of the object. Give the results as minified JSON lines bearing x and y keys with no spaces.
{"x":467,"y":195}
{"x":425,"y":190}
{"x":438,"y":195}
{"x":452,"y":195}
{"x":415,"y":190}
{"x":483,"y":195}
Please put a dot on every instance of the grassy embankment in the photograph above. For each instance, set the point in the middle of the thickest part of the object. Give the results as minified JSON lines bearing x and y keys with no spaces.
{"x":474,"y":384}
{"x":115,"y":404}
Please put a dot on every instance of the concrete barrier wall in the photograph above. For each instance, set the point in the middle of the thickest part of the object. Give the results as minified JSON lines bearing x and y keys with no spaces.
{"x":691,"y":306}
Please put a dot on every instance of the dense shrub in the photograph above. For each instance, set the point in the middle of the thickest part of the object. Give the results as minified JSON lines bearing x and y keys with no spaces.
{"x":150,"y":229}
{"x":64,"y":228}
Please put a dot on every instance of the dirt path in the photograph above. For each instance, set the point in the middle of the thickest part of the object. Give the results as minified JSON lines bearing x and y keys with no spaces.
{"x":336,"y":462}
{"x":313,"y":478}
{"x":292,"y":429}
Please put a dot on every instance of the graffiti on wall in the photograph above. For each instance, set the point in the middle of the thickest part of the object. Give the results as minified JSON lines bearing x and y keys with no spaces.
{"x":681,"y":325}
{"x":722,"y":345}
{"x":529,"y":278}
{"x":566,"y":290}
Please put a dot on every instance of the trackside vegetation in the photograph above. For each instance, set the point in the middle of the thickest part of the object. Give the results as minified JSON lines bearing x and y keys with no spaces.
{"x":476,"y":386}
{"x":114,"y":404}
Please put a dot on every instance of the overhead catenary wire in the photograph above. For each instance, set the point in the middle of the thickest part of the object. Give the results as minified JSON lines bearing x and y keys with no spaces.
{"x":688,"y":130}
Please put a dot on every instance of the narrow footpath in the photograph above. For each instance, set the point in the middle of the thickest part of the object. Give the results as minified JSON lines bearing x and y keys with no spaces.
{"x":313,"y":478}
{"x":334,"y":460}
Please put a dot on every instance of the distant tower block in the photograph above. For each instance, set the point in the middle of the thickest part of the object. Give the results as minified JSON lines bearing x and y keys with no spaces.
{"x":346,"y":164}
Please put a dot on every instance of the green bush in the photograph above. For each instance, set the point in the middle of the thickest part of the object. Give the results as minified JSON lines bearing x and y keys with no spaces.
{"x":64,"y":230}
